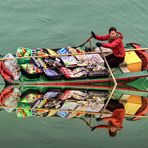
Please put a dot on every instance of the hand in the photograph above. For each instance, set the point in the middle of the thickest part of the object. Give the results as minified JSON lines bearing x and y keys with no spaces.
{"x":93,"y":34}
{"x":93,"y":128}
{"x":98,"y":44}
{"x":98,"y":119}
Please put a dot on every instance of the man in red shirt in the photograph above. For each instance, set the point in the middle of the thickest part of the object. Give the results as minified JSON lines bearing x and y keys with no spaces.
{"x":115,"y":43}
{"x":116,"y":120}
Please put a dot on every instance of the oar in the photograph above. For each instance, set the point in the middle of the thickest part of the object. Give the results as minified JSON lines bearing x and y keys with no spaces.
{"x":54,"y":109}
{"x":85,"y":42}
{"x":136,"y":49}
{"x":52,"y":56}
{"x":75,"y":111}
{"x":114,"y":80}
{"x":127,"y":50}
{"x":59,"y":55}
{"x":88,"y":123}
{"x":90,"y":52}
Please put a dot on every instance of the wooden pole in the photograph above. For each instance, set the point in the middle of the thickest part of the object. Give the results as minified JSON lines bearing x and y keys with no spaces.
{"x":75,"y":111}
{"x":59,"y":55}
{"x":114,"y":80}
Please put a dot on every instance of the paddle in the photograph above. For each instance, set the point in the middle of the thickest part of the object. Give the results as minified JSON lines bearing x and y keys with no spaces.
{"x":81,"y":45}
{"x":88,"y":123}
{"x":73,"y":111}
{"x":136,"y":49}
{"x":114,"y":80}
{"x":127,"y":50}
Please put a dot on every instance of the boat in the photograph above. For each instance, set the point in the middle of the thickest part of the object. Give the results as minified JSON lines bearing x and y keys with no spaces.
{"x":68,"y":102}
{"x":69,"y":66}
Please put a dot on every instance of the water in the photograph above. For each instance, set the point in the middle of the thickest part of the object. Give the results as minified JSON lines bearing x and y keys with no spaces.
{"x":49,"y":132}
{"x":60,"y":23}
{"x":60,"y":132}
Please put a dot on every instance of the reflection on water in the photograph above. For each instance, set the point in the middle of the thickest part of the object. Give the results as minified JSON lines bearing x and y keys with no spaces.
{"x":48,"y":102}
{"x":86,"y":105}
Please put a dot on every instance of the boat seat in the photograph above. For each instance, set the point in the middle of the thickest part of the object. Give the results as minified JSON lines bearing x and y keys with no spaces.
{"x":106,"y":51}
{"x":123,"y":67}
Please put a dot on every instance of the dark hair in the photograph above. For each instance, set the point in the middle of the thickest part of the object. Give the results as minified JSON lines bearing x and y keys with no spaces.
{"x":112,"y":29}
{"x":112,"y":134}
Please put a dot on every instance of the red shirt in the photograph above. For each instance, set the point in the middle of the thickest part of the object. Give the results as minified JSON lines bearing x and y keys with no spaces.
{"x":116,"y":119}
{"x":115,"y":44}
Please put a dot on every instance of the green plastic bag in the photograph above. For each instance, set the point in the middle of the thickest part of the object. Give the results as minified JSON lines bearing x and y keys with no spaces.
{"x":23,"y":52}
{"x":23,"y":110}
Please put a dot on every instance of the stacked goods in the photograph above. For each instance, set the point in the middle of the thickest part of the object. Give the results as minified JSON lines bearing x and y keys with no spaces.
{"x":53,"y":64}
{"x":56,"y":102}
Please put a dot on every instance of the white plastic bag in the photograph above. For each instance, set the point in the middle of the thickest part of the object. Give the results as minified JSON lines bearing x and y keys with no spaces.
{"x":12,"y":65}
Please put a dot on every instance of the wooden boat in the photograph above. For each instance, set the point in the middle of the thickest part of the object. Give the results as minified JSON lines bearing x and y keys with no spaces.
{"x":42,"y":66}
{"x":68,"y":102}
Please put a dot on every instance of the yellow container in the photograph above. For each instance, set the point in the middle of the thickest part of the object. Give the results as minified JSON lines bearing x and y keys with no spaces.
{"x":133,"y":104}
{"x":134,"y":63}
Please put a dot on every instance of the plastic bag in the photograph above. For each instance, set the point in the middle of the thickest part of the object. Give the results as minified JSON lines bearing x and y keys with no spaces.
{"x":11,"y":102}
{"x":12,"y":65}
